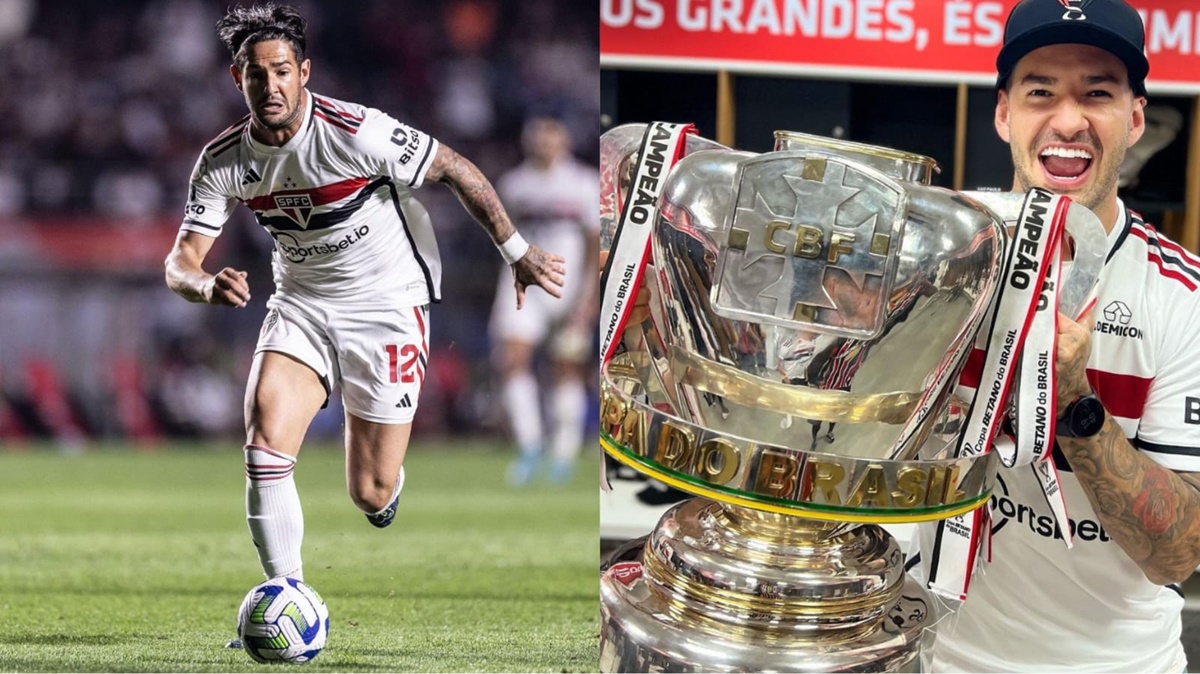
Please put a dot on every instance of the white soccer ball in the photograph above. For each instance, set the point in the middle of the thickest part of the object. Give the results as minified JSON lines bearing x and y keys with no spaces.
{"x":283,"y":619}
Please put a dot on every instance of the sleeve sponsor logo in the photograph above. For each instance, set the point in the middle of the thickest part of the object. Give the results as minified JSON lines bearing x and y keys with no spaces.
{"x":1118,"y":312}
{"x":1117,"y":318}
{"x":409,"y":143}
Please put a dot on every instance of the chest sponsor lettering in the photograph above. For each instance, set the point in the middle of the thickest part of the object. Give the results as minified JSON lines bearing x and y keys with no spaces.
{"x":295,"y":251}
{"x":1007,"y":512}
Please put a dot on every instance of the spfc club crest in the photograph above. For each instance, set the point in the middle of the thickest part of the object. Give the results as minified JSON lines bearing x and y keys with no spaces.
{"x":296,"y":206}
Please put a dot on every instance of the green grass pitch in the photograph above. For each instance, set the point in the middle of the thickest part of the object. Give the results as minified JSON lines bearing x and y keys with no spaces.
{"x":116,"y":560}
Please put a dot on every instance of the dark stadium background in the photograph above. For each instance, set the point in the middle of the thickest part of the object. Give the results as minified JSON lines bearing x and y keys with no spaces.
{"x":105,"y":107}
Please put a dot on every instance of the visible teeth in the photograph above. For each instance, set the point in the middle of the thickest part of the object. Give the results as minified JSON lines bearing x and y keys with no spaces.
{"x":1068,"y":153}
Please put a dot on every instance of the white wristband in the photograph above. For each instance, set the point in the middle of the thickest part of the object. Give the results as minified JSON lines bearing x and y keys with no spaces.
{"x":513,"y":249}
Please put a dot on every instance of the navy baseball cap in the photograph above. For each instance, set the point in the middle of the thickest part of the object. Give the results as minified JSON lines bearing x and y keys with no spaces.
{"x":1111,"y":25}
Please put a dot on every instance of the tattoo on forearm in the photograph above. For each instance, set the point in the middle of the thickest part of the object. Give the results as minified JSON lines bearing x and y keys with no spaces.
{"x":1150,"y":511}
{"x":1155,"y":507}
{"x":476,"y":194}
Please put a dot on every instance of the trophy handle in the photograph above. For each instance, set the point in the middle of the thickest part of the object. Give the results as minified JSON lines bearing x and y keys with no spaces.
{"x":617,"y":147}
{"x":1091,"y":246}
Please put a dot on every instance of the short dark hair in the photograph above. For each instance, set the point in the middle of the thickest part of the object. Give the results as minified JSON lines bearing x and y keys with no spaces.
{"x":247,"y":26}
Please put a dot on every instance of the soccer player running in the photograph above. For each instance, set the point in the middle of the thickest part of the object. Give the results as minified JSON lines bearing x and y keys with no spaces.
{"x":355,"y":267}
{"x":1070,"y":102}
{"x":556,"y":201}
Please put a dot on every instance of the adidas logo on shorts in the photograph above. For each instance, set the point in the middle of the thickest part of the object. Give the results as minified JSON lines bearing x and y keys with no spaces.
{"x":404,"y":402}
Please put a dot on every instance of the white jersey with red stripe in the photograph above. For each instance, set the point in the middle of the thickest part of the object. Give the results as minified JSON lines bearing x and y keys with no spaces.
{"x":563,"y":197}
{"x":336,"y":198}
{"x":557,"y":209}
{"x":1038,"y":606}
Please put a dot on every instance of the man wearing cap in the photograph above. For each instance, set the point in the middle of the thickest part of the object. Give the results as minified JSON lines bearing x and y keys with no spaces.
{"x":1070,"y":100}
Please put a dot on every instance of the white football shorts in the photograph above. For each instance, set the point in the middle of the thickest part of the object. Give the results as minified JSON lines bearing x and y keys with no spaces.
{"x":376,"y":354}
{"x":543,"y":315}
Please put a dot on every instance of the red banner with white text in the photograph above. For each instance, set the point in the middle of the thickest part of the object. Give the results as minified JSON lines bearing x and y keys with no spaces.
{"x":910,"y":40}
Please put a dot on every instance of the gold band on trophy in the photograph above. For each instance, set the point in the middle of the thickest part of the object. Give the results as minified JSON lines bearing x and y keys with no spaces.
{"x":738,"y":387}
{"x":783,"y":480}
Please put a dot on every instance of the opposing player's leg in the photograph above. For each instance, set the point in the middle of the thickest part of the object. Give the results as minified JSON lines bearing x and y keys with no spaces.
{"x":570,"y":355}
{"x":515,"y":337}
{"x":282,"y":397}
{"x":521,"y":400}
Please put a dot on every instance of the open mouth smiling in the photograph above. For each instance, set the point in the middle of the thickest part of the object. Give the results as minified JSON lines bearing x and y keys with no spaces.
{"x":1065,"y":167}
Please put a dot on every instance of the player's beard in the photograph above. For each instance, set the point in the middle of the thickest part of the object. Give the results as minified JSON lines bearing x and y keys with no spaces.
{"x":280,"y":122}
{"x":1103,"y":180}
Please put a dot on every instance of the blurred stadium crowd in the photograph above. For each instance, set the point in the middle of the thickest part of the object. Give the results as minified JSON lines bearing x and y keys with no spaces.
{"x":107,"y":106}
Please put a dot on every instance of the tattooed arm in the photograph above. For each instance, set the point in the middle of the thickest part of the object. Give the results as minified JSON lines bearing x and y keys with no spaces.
{"x":1150,"y":511}
{"x":477,"y":195}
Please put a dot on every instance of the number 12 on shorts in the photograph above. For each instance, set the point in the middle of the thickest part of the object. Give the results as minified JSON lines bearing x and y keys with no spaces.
{"x":402,"y":363}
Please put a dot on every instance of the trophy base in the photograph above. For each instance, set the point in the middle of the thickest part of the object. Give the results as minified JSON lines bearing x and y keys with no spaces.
{"x":717,"y":588}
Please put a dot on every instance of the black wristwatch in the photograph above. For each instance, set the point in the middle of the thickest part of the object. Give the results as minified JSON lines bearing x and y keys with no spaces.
{"x":1083,"y":418}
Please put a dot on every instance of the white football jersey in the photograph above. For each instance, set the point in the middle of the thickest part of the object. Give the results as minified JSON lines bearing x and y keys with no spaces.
{"x":1038,"y":606}
{"x":565,"y":196}
{"x":555,"y":208}
{"x":337,"y":200}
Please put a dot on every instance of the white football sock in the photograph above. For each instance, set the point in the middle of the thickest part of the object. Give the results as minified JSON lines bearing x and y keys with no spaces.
{"x":273,"y":511}
{"x":524,"y":410}
{"x":569,"y":409}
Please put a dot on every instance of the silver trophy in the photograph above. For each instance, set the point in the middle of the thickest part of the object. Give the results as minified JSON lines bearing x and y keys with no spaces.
{"x":824,"y":283}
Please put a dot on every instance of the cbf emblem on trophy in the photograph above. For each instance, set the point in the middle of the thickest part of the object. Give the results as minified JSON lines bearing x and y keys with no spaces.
{"x":809,"y":244}
{"x":823,"y":283}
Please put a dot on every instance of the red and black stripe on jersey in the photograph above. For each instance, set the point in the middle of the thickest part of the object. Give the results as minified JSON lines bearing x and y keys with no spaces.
{"x":1170,"y":258}
{"x":325,"y":110}
{"x":227,"y":138}
{"x":318,"y":196}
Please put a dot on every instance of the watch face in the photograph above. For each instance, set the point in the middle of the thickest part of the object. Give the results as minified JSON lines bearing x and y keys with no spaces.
{"x":1087,"y":418}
